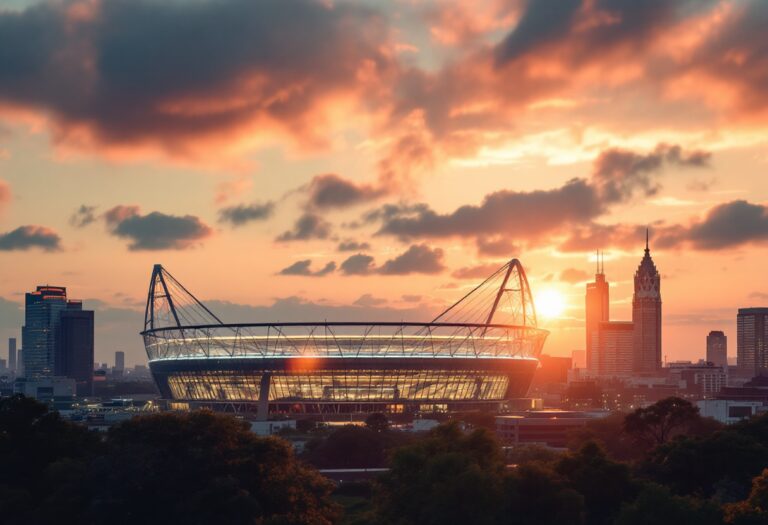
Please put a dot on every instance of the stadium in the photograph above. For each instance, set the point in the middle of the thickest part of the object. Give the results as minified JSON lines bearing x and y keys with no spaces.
{"x":477,"y":354}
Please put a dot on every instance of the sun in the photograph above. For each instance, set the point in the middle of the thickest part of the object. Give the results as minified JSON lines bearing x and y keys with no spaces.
{"x":550,"y":304}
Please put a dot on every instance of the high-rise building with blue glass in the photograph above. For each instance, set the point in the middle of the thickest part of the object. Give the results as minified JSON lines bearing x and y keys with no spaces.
{"x":42,"y":313}
{"x":57,"y":337}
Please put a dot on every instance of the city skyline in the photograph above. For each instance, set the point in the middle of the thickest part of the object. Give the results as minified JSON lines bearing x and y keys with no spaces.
{"x":384,"y":190}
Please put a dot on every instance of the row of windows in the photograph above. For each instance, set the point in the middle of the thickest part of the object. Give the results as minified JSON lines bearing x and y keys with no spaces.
{"x":341,"y":385}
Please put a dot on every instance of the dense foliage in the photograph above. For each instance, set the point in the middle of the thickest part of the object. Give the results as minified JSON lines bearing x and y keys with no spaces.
{"x":195,"y":468}
{"x":663,"y":464}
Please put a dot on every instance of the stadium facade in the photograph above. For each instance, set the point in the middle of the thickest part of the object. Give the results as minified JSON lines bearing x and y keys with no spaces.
{"x":478,"y":353}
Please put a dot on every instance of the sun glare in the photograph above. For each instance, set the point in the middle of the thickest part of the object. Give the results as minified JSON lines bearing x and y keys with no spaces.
{"x":550,"y":304}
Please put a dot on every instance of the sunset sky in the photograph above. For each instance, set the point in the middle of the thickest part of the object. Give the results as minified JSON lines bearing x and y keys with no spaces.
{"x":367,"y":160}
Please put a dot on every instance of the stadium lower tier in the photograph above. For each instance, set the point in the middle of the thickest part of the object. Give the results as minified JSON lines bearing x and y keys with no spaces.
{"x":306,"y":384}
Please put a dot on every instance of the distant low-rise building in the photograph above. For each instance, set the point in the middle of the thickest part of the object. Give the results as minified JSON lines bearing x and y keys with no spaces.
{"x":550,"y":428}
{"x":729,"y":411}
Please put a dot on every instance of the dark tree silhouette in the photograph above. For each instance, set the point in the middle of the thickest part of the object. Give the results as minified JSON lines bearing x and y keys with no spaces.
{"x":658,"y":506}
{"x":445,"y":478}
{"x":377,"y":422}
{"x":659,"y":422}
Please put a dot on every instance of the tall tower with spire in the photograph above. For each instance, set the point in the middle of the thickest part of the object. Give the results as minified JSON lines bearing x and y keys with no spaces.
{"x":646,"y":315}
{"x":597,"y":304}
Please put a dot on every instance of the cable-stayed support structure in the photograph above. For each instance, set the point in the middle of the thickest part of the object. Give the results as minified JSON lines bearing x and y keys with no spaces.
{"x":481,"y":349}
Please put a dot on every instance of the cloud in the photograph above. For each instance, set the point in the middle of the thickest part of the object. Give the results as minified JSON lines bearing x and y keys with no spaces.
{"x":155,"y":231}
{"x":512,"y":213}
{"x":530,"y":215}
{"x":495,"y":246}
{"x":411,"y":298}
{"x":199,"y":69}
{"x":480,"y":271}
{"x":573,"y":276}
{"x":724,"y":226}
{"x":358,"y":264}
{"x":331,"y":191}
{"x":762,"y":296}
{"x":245,"y":213}
{"x":83,"y":216}
{"x":303,"y":268}
{"x":369,"y":300}
{"x":619,"y":173}
{"x":352,"y":246}
{"x":419,"y":258}
{"x":26,"y":237}
{"x":727,"y":225}
{"x":308,"y":226}
{"x":595,"y":236}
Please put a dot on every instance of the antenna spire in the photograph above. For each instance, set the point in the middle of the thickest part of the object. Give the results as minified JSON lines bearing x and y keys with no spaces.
{"x":646,"y":239}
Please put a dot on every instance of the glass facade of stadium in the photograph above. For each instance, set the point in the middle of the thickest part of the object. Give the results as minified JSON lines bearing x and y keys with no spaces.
{"x":332,"y":367}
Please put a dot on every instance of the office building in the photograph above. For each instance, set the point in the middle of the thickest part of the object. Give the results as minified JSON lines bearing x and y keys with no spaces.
{"x":717,"y":348}
{"x":12,"y":354}
{"x":597,"y":311}
{"x":751,"y":339}
{"x":74,"y":346}
{"x":699,"y":380}
{"x":119,"y":362}
{"x":614,"y":345}
{"x":646,"y":315}
{"x":43,"y":309}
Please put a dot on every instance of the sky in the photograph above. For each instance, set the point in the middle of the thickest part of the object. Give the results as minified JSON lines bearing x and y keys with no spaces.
{"x":335,"y":160}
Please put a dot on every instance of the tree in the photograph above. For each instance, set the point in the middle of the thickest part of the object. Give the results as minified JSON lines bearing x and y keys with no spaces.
{"x":377,"y":422}
{"x":754,"y":510}
{"x":657,"y":505}
{"x":348,"y":447}
{"x":445,"y":478}
{"x":44,"y":461}
{"x":203,"y":468}
{"x":534,"y":495}
{"x":701,"y":466}
{"x":604,"y":484}
{"x":659,"y":422}
{"x":610,"y":434}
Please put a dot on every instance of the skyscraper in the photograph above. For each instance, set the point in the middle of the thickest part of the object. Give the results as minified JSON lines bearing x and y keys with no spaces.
{"x":74,"y":346}
{"x":717,"y":348}
{"x":12,"y":353}
{"x":646,"y":315}
{"x":597,"y":311}
{"x":752,"y":339}
{"x":614,"y":342}
{"x":43,"y":308}
{"x":119,"y":362}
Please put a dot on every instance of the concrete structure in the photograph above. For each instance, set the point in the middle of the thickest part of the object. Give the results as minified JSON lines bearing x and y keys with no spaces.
{"x":752,"y":339}
{"x":614,"y":343}
{"x":646,"y":315}
{"x":597,"y":311}
{"x":729,"y":411}
{"x":717,"y":348}
{"x":12,"y":354}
